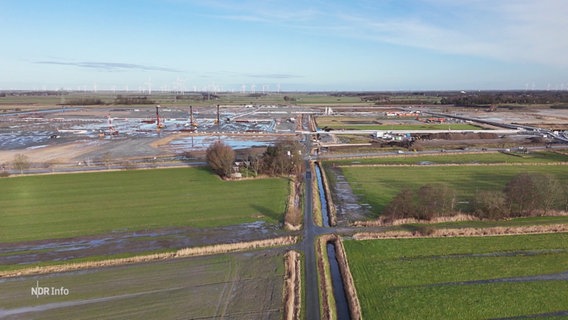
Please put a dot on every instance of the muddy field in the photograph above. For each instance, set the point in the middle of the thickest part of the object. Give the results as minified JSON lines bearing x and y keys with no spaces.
{"x":59,"y":250}
{"x":236,"y":286}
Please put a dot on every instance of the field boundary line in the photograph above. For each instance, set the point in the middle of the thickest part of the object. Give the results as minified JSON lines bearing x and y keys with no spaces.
{"x":464,"y":232}
{"x":363,"y":165}
{"x":181,"y":253}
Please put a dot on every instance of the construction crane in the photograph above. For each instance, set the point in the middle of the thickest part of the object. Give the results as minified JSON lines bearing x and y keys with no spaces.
{"x":159,"y":125}
{"x":192,"y":121}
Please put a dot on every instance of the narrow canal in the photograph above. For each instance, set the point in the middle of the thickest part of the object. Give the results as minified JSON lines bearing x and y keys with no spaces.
{"x":323,"y":201}
{"x":336,"y":279}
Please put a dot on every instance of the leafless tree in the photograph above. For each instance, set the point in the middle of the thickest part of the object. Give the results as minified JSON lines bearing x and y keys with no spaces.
{"x":401,"y":206}
{"x":490,"y":205}
{"x":21,"y":162}
{"x":220,"y":157}
{"x":527,"y":192}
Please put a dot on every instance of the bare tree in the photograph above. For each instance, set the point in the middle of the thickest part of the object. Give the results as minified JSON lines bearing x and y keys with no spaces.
{"x":490,"y":204}
{"x":220,"y":157}
{"x":402,"y":206}
{"x":21,"y":162}
{"x":107,"y":159}
{"x":527,"y":192}
{"x":435,"y":199}
{"x":285,"y":157}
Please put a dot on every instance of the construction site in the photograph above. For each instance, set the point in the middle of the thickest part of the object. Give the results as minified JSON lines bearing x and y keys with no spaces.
{"x":84,"y":135}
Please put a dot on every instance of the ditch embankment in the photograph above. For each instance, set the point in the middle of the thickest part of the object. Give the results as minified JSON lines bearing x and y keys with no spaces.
{"x":327,"y":207}
{"x":336,"y":283}
{"x":292,"y":285}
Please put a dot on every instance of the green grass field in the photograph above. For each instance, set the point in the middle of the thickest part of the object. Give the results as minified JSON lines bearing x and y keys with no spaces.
{"x":424,"y":278}
{"x":378,"y":185}
{"x":453,"y":126}
{"x":458,"y":158}
{"x":59,"y":206}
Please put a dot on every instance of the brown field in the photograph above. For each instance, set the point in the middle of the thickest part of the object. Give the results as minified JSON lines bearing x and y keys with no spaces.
{"x":230,"y":286}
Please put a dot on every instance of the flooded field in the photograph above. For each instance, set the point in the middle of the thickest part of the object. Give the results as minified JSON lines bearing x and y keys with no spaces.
{"x":31,"y":252}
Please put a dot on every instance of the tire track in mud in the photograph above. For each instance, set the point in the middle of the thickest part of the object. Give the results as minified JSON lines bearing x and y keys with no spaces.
{"x":226,"y":293}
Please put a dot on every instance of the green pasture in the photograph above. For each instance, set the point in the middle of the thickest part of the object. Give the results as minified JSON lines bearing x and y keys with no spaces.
{"x":378,"y":185}
{"x":372,"y":123}
{"x":439,"y":278}
{"x":460,"y":158}
{"x":59,"y":206}
{"x":386,"y":127}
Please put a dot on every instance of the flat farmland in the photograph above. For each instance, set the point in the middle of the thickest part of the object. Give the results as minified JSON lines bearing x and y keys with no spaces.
{"x":378,"y":185}
{"x":235,"y":286}
{"x":461,"y":278}
{"x":70,"y":205}
{"x":374,"y":123}
{"x":458,"y":158}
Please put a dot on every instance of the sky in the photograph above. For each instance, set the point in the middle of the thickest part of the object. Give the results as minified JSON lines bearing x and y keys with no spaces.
{"x":290,"y":45}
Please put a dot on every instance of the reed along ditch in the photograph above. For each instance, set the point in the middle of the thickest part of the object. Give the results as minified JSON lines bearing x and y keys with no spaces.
{"x":341,"y":305}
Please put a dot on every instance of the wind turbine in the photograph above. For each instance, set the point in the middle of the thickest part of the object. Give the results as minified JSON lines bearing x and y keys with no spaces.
{"x":149,"y":84}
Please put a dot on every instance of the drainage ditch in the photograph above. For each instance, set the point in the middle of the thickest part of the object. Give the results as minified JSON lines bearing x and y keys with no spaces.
{"x":341,"y":305}
{"x":323,"y":201}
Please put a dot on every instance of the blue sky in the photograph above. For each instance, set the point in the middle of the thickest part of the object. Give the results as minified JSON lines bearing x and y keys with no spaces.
{"x":291,"y":45}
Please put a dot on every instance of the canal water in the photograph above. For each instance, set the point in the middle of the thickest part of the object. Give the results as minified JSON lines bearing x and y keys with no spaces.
{"x":338,"y":289}
{"x":337,"y":281}
{"x":323,"y":201}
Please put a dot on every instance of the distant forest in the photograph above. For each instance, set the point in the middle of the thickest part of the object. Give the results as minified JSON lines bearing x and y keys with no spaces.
{"x":466,"y":99}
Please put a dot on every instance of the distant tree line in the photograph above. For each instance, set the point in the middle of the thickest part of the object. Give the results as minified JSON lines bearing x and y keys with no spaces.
{"x":17,"y":93}
{"x":129,"y":100}
{"x":485,"y":99}
{"x":526,"y":194}
{"x":289,"y":99}
{"x":84,"y":102}
{"x":284,"y":158}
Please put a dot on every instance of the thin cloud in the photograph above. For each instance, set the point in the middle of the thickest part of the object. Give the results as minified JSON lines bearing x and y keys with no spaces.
{"x":274,"y":75}
{"x":506,"y":30}
{"x":110,"y":66}
{"x":515,"y":31}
